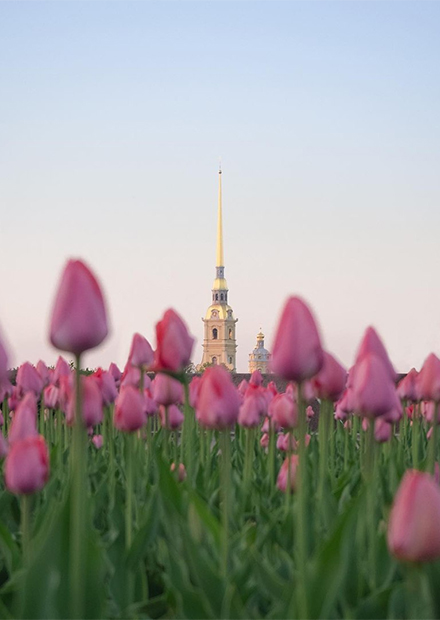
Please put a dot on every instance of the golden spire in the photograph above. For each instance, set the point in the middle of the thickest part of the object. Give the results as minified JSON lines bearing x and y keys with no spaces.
{"x":220,"y":260}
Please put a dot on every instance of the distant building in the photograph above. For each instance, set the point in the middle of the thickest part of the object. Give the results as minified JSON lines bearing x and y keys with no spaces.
{"x":259,"y":359}
{"x":219,"y":342}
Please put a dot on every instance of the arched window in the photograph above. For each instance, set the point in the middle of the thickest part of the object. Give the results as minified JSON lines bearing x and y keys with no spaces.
{"x":216,"y":297}
{"x":221,"y":296}
{"x":214,"y":334}
{"x":230,"y":333}
{"x":214,"y":360}
{"x":230,"y":360}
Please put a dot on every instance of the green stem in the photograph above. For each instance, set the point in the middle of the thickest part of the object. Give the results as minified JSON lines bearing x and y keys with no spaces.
{"x":415,"y":437}
{"x":302,"y":526}
{"x":225,"y":441}
{"x":432,"y":445}
{"x":78,"y":504}
{"x":25,"y":505}
{"x":271,"y":456}
{"x":370,"y":476}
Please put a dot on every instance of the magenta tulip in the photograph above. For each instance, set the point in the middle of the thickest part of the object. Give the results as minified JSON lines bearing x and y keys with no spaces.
{"x":130,"y":412}
{"x":218,"y":402}
{"x":330,"y":381}
{"x":284,"y":411}
{"x":428,"y":381}
{"x":27,"y":466}
{"x":24,"y":424}
{"x":372,"y":344}
{"x":29,"y":379}
{"x":174,"y":343}
{"x":165,"y":390}
{"x":373,"y":390}
{"x":141,"y":354}
{"x":413,"y":530}
{"x":297,"y":352}
{"x":79,"y":319}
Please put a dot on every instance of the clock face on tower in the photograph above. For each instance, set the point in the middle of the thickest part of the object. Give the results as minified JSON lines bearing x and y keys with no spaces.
{"x":214,"y":314}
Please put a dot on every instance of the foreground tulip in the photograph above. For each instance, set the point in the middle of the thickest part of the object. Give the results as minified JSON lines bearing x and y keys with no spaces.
{"x":297,"y":352}
{"x":413,"y":530}
{"x":79,"y":320}
{"x":174,"y":344}
{"x":27,"y":466}
{"x":130,"y":412}
{"x":218,"y":402}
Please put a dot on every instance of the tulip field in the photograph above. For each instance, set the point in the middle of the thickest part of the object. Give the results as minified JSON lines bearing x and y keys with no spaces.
{"x":149,"y":492}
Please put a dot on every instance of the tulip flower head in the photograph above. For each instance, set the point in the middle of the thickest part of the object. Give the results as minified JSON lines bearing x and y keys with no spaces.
{"x":218,"y":402}
{"x":79,"y":318}
{"x":130,"y":412}
{"x":174,"y":343}
{"x":27,"y":466}
{"x":297,"y":351}
{"x":413,"y":530}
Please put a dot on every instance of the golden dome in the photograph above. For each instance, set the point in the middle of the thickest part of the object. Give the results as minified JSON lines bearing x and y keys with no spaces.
{"x":219,"y":311}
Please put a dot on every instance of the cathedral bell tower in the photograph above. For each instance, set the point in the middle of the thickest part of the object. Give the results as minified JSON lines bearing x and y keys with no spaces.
{"x":219,"y":344}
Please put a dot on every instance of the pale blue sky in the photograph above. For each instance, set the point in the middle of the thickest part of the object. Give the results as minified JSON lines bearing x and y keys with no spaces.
{"x":326,"y":116}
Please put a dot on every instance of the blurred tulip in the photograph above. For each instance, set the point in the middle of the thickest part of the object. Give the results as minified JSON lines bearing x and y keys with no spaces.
{"x":151,"y":406}
{"x":310,"y":412}
{"x":407,"y":388}
{"x":297,"y":352}
{"x":181,"y":471}
{"x":374,"y":392}
{"x":413,"y":530}
{"x":98,"y":441}
{"x":165,"y":390}
{"x":256,"y":378}
{"x":174,"y":343}
{"x":382,"y":430}
{"x":141,"y":354}
{"x":115,"y":373}
{"x":283,"y":442}
{"x":283,"y":474}
{"x":43,"y":371}
{"x":24,"y":423}
{"x":6,"y":389}
{"x":51,"y":396}
{"x":371,"y":344}
{"x":107,"y":386}
{"x":91,"y":403}
{"x":79,"y":320}
{"x":249,"y":414}
{"x":171,"y":417}
{"x":130,"y":412}
{"x":62,"y":369}
{"x":428,"y":381}
{"x":4,"y":448}
{"x":218,"y":403}
{"x":29,"y":380}
{"x":330,"y":381}
{"x":27,"y":466}
{"x":194,"y":388}
{"x":264,"y":441}
{"x":284,"y":411}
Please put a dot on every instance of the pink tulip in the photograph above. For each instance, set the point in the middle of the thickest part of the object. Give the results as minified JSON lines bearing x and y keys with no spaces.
{"x":283,"y":442}
{"x":395,"y":414}
{"x":413,"y":530}
{"x":270,"y":423}
{"x":374,"y":393}
{"x":171,"y":417}
{"x":24,"y":424}
{"x":249,"y":414}
{"x":264,"y":441}
{"x":310,"y":412}
{"x":181,"y":471}
{"x":428,"y":382}
{"x":407,"y":388}
{"x":174,"y":344}
{"x":51,"y":396}
{"x":115,"y":373}
{"x":256,"y":378}
{"x":6,"y":389}
{"x":297,"y":352}
{"x":284,"y":411}
{"x":91,"y":403}
{"x":151,"y":406}
{"x":194,"y":388}
{"x":43,"y":371}
{"x":98,"y":441}
{"x":330,"y":381}
{"x":28,"y":379}
{"x":382,"y":430}
{"x":165,"y":390}
{"x":65,"y":392}
{"x":62,"y":369}
{"x":283,"y":474}
{"x":107,"y":386}
{"x":79,"y":319}
{"x":27,"y":466}
{"x":372,"y":344}
{"x":14,"y":399}
{"x":141,"y":354}
{"x":219,"y":402}
{"x":130,"y":413}
{"x":242,"y":387}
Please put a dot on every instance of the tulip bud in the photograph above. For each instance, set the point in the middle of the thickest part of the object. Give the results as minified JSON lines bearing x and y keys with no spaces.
{"x":79,"y":320}
{"x":171,"y":417}
{"x":166,"y":390}
{"x":97,"y":441}
{"x":413,"y":530}
{"x":284,"y":472}
{"x":330,"y":381}
{"x":174,"y":344}
{"x":130,"y":412}
{"x":24,"y":423}
{"x":218,"y":402}
{"x":297,"y":352}
{"x":27,"y":466}
{"x":28,"y":379}
{"x":284,"y":411}
{"x":141,"y":354}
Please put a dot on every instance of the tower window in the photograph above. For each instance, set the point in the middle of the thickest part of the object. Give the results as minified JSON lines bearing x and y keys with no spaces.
{"x":230,"y":333}
{"x":214,"y":334}
{"x":214,"y":360}
{"x":230,"y":360}
{"x":216,"y":297}
{"x":221,"y":296}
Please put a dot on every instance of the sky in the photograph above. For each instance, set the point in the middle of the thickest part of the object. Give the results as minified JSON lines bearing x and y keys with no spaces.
{"x":113,"y":117}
